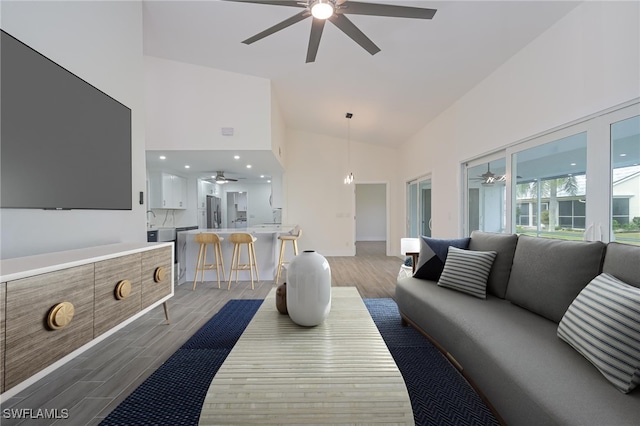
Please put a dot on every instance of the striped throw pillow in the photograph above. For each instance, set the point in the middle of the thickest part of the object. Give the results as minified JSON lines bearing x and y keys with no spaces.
{"x":467,"y":271}
{"x":603,"y":325}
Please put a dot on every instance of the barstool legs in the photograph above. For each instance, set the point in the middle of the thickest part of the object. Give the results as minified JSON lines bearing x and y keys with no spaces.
{"x":201,"y":263}
{"x":281,"y":262}
{"x":236,"y":266}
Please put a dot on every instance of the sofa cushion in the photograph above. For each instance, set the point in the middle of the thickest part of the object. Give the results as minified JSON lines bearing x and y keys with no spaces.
{"x":623,"y":262}
{"x":603,"y":324}
{"x":547,"y":274}
{"x":467,"y":271}
{"x":505,"y":247}
{"x":433,"y":254}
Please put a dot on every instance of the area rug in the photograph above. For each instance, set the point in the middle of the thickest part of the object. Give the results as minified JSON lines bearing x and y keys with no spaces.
{"x":174,"y":393}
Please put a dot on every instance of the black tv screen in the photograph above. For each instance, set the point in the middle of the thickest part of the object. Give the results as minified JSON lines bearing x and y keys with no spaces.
{"x":64,"y":143}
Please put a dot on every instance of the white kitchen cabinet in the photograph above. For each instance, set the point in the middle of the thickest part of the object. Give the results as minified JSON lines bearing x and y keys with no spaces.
{"x":179,"y":192}
{"x":241,"y":201}
{"x":204,"y":188}
{"x":202,"y":218}
{"x":167,"y":191}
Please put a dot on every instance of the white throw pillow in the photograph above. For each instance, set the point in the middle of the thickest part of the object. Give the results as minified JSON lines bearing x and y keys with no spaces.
{"x":603,"y":325}
{"x":467,"y":271}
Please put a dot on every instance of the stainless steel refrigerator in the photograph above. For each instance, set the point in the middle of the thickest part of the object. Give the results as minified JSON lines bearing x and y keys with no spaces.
{"x":214,"y":215}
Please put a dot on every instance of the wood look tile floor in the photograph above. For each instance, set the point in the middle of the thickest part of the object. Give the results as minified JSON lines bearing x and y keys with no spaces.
{"x":93,"y":384}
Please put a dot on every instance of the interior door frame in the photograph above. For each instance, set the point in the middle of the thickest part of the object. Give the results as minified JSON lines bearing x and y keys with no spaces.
{"x":387,"y":213}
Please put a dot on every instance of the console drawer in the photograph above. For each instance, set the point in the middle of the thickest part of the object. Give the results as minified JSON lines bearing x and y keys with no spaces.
{"x":156,"y":275}
{"x":37,"y":335}
{"x":115,"y":299}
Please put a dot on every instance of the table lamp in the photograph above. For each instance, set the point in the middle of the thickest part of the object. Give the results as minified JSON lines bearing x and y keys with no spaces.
{"x":410,"y":247}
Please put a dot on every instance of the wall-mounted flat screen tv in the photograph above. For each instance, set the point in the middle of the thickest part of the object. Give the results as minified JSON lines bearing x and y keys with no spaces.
{"x":64,"y":143}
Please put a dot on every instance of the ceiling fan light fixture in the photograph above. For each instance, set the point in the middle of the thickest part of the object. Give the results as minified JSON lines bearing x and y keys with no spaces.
{"x":322,"y":9}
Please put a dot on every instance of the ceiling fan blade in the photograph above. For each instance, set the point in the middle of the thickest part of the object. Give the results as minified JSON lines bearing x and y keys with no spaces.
{"x":314,"y":39}
{"x":352,"y":31}
{"x":375,"y":9}
{"x":291,"y":3}
{"x":282,"y":25}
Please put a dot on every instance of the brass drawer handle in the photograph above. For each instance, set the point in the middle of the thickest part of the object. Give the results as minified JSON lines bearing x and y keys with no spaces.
{"x":123,"y":289}
{"x":60,"y":315}
{"x":159,"y":275}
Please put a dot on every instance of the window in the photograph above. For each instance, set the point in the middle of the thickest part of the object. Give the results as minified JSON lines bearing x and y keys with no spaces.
{"x":486,"y":195}
{"x":625,"y":180}
{"x":550,"y":185}
{"x":574,"y":182}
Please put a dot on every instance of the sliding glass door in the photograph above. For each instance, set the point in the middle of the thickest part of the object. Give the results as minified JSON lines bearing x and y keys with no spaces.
{"x":419,"y":207}
{"x":486,"y":195}
{"x":578,"y":182}
{"x":625,"y":181}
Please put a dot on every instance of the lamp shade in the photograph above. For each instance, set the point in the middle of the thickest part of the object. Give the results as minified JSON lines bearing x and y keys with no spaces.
{"x":409,"y":245}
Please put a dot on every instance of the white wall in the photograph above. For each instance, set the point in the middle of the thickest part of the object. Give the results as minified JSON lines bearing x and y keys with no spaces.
{"x":371,"y":212}
{"x":316,"y":197}
{"x":100,"y":42}
{"x":188,"y":105}
{"x":587,"y":62}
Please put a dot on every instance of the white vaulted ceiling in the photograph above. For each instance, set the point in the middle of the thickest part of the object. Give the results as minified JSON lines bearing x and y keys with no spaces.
{"x":423,"y":67}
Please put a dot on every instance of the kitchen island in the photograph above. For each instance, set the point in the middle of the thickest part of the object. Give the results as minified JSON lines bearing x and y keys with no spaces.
{"x":266,"y":246}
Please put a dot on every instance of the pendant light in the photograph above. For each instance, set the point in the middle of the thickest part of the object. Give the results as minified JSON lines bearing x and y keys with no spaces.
{"x":349,"y":179}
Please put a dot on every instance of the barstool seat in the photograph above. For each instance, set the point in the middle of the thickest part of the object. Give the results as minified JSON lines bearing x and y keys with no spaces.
{"x":293,"y":237}
{"x":238,"y":239}
{"x":201,"y":265}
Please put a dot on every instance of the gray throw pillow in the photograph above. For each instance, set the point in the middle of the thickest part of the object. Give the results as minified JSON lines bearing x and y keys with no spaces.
{"x":603,"y":324}
{"x":433,"y":254}
{"x":505,"y":247}
{"x":547,"y":274}
{"x":467,"y":271}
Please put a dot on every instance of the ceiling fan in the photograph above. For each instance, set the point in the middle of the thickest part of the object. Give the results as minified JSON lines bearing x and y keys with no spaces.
{"x":335,"y":11}
{"x":220,"y":178}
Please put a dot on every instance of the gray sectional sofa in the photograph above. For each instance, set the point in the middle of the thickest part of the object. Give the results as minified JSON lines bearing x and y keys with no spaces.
{"x":507,"y":344}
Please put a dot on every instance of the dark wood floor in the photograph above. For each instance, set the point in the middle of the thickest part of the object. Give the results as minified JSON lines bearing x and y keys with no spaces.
{"x":94,"y":383}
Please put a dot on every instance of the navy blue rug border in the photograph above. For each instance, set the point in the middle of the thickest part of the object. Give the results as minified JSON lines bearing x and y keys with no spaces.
{"x":175,"y":392}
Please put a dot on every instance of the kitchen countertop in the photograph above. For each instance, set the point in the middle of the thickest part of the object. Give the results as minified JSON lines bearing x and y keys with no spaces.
{"x":260,"y":229}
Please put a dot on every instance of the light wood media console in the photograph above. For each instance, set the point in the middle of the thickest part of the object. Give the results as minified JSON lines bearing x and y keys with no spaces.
{"x":55,"y":306}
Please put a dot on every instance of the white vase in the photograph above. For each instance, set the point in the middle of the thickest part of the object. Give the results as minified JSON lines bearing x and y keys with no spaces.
{"x":308,"y":288}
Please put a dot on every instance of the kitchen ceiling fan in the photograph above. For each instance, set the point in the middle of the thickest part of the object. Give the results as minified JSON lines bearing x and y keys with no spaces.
{"x":335,"y":11}
{"x":220,"y":178}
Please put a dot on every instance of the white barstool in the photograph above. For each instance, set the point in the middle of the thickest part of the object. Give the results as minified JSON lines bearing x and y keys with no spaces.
{"x":293,"y":237}
{"x":201,"y":265}
{"x":238,"y":239}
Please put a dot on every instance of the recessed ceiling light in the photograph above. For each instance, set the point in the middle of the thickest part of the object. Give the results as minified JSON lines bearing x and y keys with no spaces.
{"x":623,"y":155}
{"x":187,"y":166}
{"x":269,"y":181}
{"x":236,"y":157}
{"x":162,"y":157}
{"x":261,"y":176}
{"x":248,"y":166}
{"x":573,"y":164}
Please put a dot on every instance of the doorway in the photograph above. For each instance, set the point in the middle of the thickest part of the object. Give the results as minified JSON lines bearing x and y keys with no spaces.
{"x":236,"y":216}
{"x":371,"y":228}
